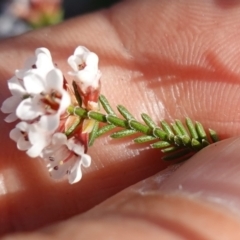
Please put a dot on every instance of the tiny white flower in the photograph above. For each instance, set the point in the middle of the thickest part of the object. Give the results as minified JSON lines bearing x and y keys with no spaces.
{"x":18,"y":94}
{"x":85,"y":68}
{"x":30,"y":138}
{"x":64,"y":157}
{"x":42,"y":60}
{"x":49,"y":99}
{"x":40,"y":64}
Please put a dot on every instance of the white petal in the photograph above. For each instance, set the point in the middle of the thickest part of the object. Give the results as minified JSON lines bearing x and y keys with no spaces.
{"x":23,"y":126}
{"x":36,"y":134}
{"x":43,"y":50}
{"x":44,"y":62}
{"x":65,"y":102}
{"x":23,"y":145}
{"x":15,"y":134}
{"x":80,"y":50}
{"x":33,"y":82}
{"x":20,"y":73}
{"x":54,"y":80}
{"x":60,"y":171}
{"x":77,"y":148}
{"x":10,"y":104}
{"x":72,"y":62}
{"x":49,"y":122}
{"x":71,"y":144}
{"x":27,"y":110}
{"x":86,"y":160}
{"x":11,"y":118}
{"x":55,"y":155}
{"x":16,"y":87}
{"x":75,"y":174}
{"x":92,"y":60}
{"x":36,"y":149}
{"x":86,"y":76}
{"x":59,"y":138}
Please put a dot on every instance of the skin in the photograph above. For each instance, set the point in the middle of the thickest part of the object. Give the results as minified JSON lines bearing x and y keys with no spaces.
{"x":170,"y":59}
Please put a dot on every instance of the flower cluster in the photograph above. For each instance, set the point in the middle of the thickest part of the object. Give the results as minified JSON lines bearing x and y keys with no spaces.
{"x":41,"y":95}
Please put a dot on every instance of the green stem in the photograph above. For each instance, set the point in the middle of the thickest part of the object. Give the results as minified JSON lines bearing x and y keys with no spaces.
{"x":174,"y":140}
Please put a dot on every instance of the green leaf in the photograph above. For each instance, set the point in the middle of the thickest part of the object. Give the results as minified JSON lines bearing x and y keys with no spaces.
{"x":105,"y":129}
{"x":157,"y":132}
{"x":178,"y":140}
{"x":93,"y":134}
{"x":73,"y":127}
{"x":181,"y":128}
{"x":125,"y":113}
{"x":170,"y":149}
{"x":178,"y":155}
{"x":161,"y":144}
{"x":148,"y":121}
{"x":213,"y":135}
{"x":186,"y":140}
{"x":166,"y":127}
{"x":200,"y":130}
{"x":144,"y":139}
{"x":205,"y":143}
{"x":191,"y":128}
{"x":195,"y":144}
{"x":103,"y":100}
{"x":176,"y":129}
{"x":123,"y":133}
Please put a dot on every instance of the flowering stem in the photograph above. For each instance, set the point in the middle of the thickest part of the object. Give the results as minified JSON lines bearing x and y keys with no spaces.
{"x":176,"y":141}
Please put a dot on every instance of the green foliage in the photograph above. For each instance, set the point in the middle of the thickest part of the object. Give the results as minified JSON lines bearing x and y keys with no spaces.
{"x":177,"y":140}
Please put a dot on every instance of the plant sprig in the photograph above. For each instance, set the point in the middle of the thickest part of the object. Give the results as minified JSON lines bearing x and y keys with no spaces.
{"x":177,"y":141}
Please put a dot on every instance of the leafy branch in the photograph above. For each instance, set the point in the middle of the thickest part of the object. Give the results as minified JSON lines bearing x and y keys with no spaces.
{"x":177,"y":141}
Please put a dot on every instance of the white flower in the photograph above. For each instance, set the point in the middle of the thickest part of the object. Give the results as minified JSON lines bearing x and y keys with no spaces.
{"x":41,"y":61}
{"x":85,"y":68}
{"x":49,"y":99}
{"x":18,"y":94}
{"x":64,"y":157}
{"x":30,"y":138}
{"x":41,"y":64}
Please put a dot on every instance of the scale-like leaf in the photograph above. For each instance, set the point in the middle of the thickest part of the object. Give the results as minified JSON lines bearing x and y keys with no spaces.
{"x":178,"y":155}
{"x":213,"y":135}
{"x":73,"y":127}
{"x":93,"y":134}
{"x":123,"y":133}
{"x":161,"y":144}
{"x":106,"y":105}
{"x":182,"y":129}
{"x":148,"y":121}
{"x":125,"y":113}
{"x":200,"y":130}
{"x":170,"y":149}
{"x":191,"y":128}
{"x":144,"y":139}
{"x":176,"y":129}
{"x":167,"y":128}
{"x":105,"y":129}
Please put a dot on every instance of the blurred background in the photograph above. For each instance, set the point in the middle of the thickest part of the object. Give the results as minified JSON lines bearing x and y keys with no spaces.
{"x":19,"y":16}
